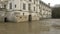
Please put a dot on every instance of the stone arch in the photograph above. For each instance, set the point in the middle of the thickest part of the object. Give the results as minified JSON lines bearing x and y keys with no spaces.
{"x":30,"y":18}
{"x":5,"y":19}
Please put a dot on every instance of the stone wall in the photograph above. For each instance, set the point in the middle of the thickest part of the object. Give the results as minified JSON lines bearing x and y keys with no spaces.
{"x":22,"y":18}
{"x":18,"y":16}
{"x":2,"y":15}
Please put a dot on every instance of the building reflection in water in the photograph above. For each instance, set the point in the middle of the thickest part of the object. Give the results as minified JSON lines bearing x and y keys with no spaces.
{"x":30,"y":27}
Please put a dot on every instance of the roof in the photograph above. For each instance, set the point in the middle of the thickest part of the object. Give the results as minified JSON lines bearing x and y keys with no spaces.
{"x":44,"y":4}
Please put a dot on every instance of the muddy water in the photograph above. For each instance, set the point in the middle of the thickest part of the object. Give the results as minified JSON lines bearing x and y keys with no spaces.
{"x":36,"y":27}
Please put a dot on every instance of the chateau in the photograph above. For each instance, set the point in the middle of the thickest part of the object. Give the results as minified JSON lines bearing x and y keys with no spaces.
{"x":24,"y":10}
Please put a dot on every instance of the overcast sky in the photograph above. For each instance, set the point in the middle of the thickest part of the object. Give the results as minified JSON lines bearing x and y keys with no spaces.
{"x":52,"y":2}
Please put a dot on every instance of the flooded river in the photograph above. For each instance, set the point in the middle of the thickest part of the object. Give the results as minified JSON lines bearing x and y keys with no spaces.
{"x":35,"y":27}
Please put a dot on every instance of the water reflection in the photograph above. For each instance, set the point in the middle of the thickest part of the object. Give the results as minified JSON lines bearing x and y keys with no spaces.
{"x":30,"y":27}
{"x":36,"y":27}
{"x":23,"y":28}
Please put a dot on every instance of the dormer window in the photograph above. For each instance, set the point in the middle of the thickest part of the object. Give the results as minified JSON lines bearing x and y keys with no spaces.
{"x":30,"y":0}
{"x":5,"y":6}
{"x":24,"y":6}
{"x":15,"y":5}
{"x":10,"y":5}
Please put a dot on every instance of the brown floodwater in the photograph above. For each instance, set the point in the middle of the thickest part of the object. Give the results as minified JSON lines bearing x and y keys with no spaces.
{"x":35,"y":27}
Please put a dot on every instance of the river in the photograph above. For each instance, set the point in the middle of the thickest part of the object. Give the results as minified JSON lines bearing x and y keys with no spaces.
{"x":35,"y":27}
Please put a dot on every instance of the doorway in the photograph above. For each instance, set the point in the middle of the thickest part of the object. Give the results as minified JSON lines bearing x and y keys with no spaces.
{"x":30,"y":18}
{"x":5,"y":19}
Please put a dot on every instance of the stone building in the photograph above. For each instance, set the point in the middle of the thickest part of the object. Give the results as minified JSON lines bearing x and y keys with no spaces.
{"x":45,"y":10}
{"x":2,"y":11}
{"x":25,"y":10}
{"x":22,"y":10}
{"x":56,"y":11}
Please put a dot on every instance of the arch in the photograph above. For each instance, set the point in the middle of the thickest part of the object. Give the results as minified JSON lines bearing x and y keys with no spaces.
{"x":30,"y":18}
{"x":5,"y":19}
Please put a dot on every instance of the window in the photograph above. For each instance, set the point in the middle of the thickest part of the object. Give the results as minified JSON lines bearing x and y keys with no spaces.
{"x":29,"y":0}
{"x":15,"y":5}
{"x":29,"y":6}
{"x":24,"y":6}
{"x":5,"y":6}
{"x":39,"y":7}
{"x":23,"y":14}
{"x":34,"y":1}
{"x":10,"y":5}
{"x":34,"y":8}
{"x":20,"y":0}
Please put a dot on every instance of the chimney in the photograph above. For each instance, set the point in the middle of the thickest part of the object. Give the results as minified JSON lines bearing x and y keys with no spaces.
{"x":48,"y":4}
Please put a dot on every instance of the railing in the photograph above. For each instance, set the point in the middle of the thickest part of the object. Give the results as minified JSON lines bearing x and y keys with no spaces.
{"x":30,"y":11}
{"x":2,"y":9}
{"x":4,"y":1}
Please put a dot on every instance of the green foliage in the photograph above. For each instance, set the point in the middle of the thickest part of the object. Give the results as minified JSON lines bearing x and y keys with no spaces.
{"x":56,"y":12}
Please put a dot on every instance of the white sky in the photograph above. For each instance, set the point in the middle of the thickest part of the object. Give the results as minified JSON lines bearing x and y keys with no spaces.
{"x":52,"y":2}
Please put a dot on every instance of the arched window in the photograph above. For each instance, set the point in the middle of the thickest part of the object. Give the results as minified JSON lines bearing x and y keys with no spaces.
{"x":10,"y":5}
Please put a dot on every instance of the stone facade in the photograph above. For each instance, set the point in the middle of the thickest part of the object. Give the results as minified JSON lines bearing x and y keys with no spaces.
{"x":19,"y":14}
{"x":45,"y":10}
{"x":25,"y":10}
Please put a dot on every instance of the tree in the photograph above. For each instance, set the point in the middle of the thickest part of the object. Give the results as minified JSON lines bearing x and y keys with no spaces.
{"x":56,"y":12}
